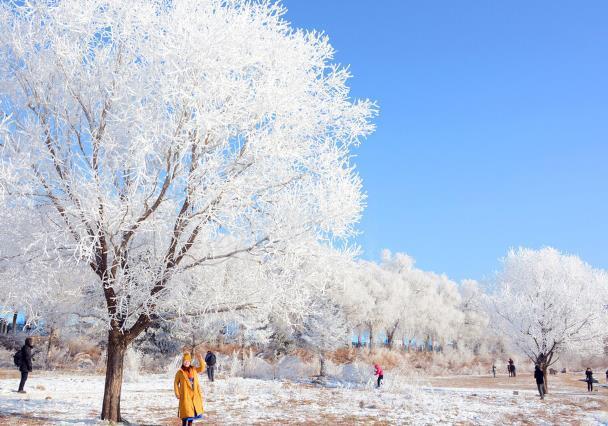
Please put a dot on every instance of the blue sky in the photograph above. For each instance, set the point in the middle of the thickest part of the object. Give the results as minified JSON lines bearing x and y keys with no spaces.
{"x":493,"y":131}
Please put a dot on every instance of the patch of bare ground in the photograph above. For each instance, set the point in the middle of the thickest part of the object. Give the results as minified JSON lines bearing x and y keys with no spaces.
{"x":213,"y":419}
{"x":546,"y":415}
{"x":26,"y":420}
{"x":559,"y":382}
{"x":9,"y":374}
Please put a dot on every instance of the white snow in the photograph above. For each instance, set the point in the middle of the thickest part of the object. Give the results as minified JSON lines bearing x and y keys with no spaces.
{"x":76,"y":399}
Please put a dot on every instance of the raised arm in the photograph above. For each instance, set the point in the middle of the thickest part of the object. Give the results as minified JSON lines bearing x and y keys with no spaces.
{"x":201,"y":363}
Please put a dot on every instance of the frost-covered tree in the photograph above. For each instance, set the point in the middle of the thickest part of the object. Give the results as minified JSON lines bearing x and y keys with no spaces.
{"x":396,"y":294}
{"x":49,"y":293}
{"x":473,"y":332}
{"x":363,"y":300}
{"x":323,"y":329}
{"x":546,"y":302}
{"x":418,"y":304}
{"x":161,"y":136}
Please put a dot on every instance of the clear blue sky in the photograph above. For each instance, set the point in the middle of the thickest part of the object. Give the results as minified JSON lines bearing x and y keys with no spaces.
{"x":493,"y":131}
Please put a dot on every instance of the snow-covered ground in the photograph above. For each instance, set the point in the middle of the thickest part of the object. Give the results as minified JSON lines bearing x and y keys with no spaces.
{"x":71,"y":399}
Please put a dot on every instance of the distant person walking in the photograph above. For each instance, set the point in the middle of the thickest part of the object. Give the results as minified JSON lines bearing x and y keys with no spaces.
{"x":606,"y":376}
{"x":25,"y":362}
{"x":379,"y":373}
{"x":210,"y":360}
{"x":540,"y":381}
{"x":589,"y":379}
{"x":494,"y":370}
{"x":511,"y":368}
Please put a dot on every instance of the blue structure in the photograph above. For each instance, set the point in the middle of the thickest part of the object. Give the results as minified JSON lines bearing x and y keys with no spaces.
{"x":6,"y":321}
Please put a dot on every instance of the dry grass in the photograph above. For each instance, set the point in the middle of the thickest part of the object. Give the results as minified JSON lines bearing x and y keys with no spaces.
{"x":23,"y":421}
{"x":386,"y":358}
{"x":9,"y":374}
{"x":344,"y":355}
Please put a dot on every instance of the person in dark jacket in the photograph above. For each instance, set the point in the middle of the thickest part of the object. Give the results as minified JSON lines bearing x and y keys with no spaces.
{"x":540,"y":381}
{"x":589,"y":379}
{"x":25,"y":366}
{"x":210,"y":361}
{"x":606,"y":376}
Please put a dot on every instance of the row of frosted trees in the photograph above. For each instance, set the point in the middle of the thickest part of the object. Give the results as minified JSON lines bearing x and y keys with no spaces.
{"x":173,"y":161}
{"x":396,"y":304}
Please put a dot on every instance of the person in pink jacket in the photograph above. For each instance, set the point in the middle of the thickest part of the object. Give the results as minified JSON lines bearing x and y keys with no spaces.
{"x":379,"y":373}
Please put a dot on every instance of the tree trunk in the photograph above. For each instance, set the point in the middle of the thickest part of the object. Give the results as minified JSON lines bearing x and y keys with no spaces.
{"x":221,"y":338}
{"x":15,"y":323}
{"x":48,"y":348}
{"x":390,"y":335}
{"x":545,"y":385}
{"x":322,"y":363}
{"x":371,"y":339}
{"x":117,"y":347}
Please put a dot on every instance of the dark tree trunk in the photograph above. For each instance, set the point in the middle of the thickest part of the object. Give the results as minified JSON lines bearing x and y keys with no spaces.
{"x":389,"y":340}
{"x":322,"y":365}
{"x":371,"y":339}
{"x":15,"y":323}
{"x":117,"y":347}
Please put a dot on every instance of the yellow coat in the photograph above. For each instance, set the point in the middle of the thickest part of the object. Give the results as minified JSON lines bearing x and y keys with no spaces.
{"x":189,"y":399}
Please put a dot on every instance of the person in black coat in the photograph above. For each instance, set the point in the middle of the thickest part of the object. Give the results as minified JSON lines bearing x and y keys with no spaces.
{"x":210,"y":361}
{"x":540,"y":381}
{"x":25,"y":366}
{"x":589,"y":379}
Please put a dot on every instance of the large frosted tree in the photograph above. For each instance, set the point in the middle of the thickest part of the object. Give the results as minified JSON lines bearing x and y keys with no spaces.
{"x":546,"y":302}
{"x":156,"y":137}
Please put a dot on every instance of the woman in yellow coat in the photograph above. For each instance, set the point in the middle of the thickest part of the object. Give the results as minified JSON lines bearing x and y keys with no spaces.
{"x":187,"y":389}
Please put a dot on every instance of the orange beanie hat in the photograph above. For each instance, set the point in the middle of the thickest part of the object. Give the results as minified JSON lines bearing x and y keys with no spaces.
{"x":187,"y":357}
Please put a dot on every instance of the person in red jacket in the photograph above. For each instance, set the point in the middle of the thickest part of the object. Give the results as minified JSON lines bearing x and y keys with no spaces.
{"x":379,"y":373}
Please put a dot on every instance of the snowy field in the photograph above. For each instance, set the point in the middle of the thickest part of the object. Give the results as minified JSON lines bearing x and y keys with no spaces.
{"x":72,"y":399}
